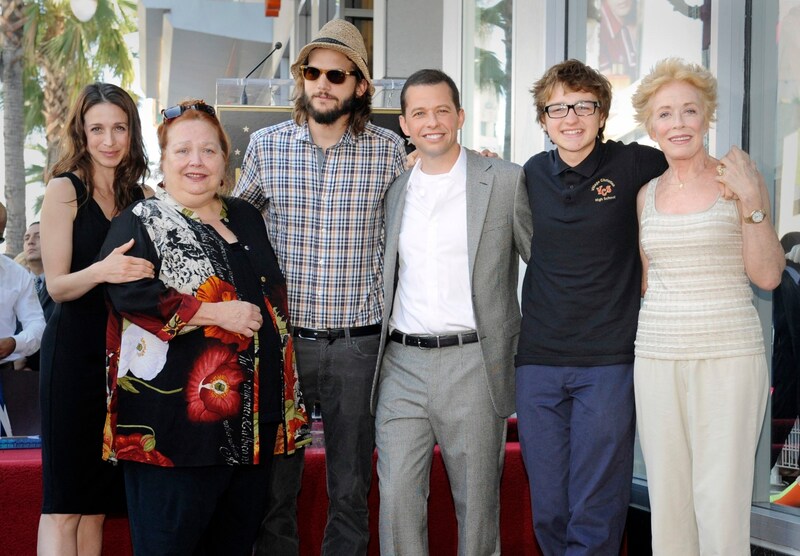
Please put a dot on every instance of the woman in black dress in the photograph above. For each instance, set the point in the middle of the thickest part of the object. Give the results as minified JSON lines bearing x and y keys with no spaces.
{"x":98,"y":174}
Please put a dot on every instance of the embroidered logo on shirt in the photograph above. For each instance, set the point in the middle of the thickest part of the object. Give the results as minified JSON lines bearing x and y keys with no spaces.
{"x":603,"y":189}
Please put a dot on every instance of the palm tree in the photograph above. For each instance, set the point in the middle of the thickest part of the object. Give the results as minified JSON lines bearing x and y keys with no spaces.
{"x":62,"y":55}
{"x":490,"y":74}
{"x":11,"y":27}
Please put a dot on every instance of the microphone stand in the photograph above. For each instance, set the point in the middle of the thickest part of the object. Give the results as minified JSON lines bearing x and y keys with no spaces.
{"x":243,"y":99}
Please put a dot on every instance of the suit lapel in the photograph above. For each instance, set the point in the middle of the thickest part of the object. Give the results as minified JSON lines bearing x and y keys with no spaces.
{"x":479,"y":191}
{"x":396,"y":201}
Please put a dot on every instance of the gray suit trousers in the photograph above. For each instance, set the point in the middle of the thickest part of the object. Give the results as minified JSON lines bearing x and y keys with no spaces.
{"x":428,"y":396}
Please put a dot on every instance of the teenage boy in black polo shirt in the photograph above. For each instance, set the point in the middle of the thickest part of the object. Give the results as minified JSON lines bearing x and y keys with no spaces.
{"x":580,"y":303}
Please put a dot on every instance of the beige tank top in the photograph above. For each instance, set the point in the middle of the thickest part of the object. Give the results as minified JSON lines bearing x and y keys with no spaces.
{"x":698,"y":303}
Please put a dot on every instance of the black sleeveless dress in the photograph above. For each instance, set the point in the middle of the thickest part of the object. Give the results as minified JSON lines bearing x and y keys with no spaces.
{"x":76,"y":480}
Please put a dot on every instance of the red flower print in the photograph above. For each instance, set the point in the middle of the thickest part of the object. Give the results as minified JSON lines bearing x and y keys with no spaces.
{"x":215,"y":290}
{"x":140,"y":447}
{"x":213,"y":389}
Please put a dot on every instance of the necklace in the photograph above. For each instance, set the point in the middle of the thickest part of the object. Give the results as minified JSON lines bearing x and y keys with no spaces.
{"x":680,"y":184}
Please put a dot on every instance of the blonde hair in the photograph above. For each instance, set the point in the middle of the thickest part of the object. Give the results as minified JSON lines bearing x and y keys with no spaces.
{"x":668,"y":71}
{"x":21,"y":260}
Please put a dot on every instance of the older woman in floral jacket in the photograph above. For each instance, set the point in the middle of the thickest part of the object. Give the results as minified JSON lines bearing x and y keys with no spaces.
{"x":200,"y":358}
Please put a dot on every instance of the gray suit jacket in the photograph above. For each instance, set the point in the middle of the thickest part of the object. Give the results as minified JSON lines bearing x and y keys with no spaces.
{"x":499,"y":230}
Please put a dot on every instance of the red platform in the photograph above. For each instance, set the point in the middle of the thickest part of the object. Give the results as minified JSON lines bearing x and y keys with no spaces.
{"x":21,"y":498}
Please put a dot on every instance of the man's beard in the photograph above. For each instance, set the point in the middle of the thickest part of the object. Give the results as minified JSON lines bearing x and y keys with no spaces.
{"x":346,"y":107}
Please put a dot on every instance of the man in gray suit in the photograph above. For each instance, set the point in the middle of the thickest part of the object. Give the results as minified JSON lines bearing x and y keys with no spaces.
{"x":456,"y":226}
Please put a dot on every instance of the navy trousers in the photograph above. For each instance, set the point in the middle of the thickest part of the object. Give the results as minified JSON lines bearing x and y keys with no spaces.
{"x":576,"y":429}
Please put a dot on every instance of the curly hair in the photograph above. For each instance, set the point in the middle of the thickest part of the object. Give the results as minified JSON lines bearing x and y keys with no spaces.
{"x":74,"y":155}
{"x":670,"y":70}
{"x":208,"y":117}
{"x":572,"y":75}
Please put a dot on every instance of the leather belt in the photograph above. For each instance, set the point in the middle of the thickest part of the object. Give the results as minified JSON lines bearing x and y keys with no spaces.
{"x":336,"y":333}
{"x":428,"y":342}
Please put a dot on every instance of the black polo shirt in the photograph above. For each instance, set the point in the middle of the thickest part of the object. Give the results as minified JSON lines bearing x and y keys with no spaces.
{"x":580,"y":296}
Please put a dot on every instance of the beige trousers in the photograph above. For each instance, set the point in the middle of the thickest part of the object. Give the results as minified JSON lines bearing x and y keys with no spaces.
{"x":699,"y":423}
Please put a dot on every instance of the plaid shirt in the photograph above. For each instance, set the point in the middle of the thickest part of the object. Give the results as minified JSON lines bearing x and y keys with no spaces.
{"x":325,"y":221}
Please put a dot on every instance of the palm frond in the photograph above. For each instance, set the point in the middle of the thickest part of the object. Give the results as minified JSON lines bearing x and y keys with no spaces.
{"x":490,"y":71}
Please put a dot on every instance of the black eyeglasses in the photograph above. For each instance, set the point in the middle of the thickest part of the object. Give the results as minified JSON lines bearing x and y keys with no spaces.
{"x":581,"y":108}
{"x":337,"y":77}
{"x":175,"y":111}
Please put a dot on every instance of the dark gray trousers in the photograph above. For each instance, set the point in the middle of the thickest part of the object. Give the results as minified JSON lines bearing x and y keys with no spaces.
{"x":338,"y":374}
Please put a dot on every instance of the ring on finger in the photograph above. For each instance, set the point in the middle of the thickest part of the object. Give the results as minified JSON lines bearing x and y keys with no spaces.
{"x":720,"y":170}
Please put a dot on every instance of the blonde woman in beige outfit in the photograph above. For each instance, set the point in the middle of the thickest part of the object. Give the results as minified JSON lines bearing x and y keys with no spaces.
{"x":700,"y":376}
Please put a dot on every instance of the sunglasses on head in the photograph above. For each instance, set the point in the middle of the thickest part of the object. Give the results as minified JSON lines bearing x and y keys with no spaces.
{"x":175,"y":111}
{"x":337,"y":77}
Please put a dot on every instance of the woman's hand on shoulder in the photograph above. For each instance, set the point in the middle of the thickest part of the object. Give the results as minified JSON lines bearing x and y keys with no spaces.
{"x":148,"y":191}
{"x":118,"y":268}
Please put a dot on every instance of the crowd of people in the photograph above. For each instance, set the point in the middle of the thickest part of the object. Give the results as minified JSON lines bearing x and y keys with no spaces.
{"x":190,"y":325}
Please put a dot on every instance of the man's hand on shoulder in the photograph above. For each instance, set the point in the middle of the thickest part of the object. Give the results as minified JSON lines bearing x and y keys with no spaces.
{"x":487,"y":153}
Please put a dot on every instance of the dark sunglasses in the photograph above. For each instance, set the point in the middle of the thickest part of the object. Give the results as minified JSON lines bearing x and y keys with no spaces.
{"x":337,"y":77}
{"x":175,"y":111}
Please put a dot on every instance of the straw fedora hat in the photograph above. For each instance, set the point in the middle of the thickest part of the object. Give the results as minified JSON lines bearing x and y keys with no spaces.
{"x":342,"y":36}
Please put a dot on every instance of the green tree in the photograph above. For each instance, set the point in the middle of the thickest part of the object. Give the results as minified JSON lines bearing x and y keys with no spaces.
{"x":11,"y":29}
{"x":63,"y":55}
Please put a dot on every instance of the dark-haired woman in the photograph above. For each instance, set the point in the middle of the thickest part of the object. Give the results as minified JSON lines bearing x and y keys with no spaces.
{"x":98,"y":174}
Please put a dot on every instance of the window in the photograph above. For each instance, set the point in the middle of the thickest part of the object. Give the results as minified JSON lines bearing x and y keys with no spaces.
{"x":487,"y":70}
{"x":784,"y":428}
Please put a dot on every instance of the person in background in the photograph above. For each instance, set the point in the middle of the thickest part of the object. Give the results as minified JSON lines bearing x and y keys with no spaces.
{"x":580,"y":299}
{"x":97,"y":175}
{"x":17,"y":305}
{"x":786,"y":347}
{"x":446,"y":373}
{"x":196,"y":354}
{"x":33,"y":260}
{"x":701,"y":376}
{"x":319,"y":181}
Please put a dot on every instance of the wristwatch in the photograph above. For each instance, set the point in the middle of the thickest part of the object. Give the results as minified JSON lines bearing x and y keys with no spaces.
{"x":756,"y":217}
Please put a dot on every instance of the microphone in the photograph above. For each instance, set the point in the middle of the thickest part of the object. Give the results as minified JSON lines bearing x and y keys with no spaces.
{"x":243,"y":100}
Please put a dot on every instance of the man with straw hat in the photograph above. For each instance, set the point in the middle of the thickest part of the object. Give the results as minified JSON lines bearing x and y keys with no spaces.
{"x":319,"y":181}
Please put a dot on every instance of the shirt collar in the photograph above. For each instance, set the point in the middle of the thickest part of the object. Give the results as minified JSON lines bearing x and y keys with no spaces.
{"x":587,"y":167}
{"x":458,"y":173}
{"x":303,"y":134}
{"x":162,"y":195}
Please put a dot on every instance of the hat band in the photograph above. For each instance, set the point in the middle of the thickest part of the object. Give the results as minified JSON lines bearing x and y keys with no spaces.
{"x":334,"y":41}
